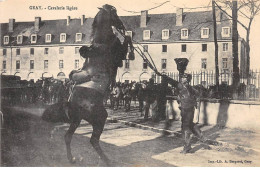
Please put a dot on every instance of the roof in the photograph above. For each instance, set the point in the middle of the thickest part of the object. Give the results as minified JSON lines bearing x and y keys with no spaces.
{"x":193,"y":21}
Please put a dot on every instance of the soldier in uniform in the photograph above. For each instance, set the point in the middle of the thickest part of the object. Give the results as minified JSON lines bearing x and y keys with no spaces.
{"x":187,"y":99}
{"x":149,"y":97}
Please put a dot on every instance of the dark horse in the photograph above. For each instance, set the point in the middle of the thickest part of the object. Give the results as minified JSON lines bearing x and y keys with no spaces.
{"x":103,"y":58}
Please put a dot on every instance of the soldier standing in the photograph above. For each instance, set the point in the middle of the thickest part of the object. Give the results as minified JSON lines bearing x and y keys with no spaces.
{"x":187,"y":99}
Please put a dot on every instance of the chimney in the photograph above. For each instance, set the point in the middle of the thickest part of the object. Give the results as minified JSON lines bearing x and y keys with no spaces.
{"x":68,"y":20}
{"x":144,"y":16}
{"x":11,"y":25}
{"x":179,"y":16}
{"x":37,"y":23}
{"x":82,"y":20}
{"x":218,"y":15}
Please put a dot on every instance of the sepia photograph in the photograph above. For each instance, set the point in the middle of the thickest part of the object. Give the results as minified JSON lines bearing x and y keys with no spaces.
{"x":117,"y":83}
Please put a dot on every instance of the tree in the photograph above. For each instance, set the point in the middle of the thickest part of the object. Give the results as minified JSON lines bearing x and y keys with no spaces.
{"x":248,"y":10}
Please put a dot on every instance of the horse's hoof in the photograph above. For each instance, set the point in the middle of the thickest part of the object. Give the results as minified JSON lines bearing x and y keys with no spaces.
{"x":73,"y":160}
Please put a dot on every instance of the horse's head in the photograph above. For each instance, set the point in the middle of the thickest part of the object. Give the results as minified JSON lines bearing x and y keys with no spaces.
{"x":112,"y":17}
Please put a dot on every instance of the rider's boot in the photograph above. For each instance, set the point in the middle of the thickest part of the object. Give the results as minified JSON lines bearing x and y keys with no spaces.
{"x":187,"y":142}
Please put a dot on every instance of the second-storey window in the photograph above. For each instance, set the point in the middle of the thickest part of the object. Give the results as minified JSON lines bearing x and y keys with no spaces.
{"x":61,"y":64}
{"x":204,"y":63}
{"x":76,"y":64}
{"x":145,"y":48}
{"x":183,"y":48}
{"x":204,"y":47}
{"x":18,"y":51}
{"x":76,"y":50}
{"x":164,"y":64}
{"x":4,"y":52}
{"x":17,"y":64}
{"x":31,"y":51}
{"x":225,"y":46}
{"x":31,"y":64}
{"x":127,"y":64}
{"x":61,"y":50}
{"x":46,"y":51}
{"x":164,"y":48}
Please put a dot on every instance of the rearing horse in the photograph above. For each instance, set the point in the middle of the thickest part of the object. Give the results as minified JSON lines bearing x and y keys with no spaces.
{"x":103,"y":58}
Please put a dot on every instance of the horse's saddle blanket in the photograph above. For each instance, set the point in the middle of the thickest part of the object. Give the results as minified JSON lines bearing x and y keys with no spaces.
{"x":98,"y":81}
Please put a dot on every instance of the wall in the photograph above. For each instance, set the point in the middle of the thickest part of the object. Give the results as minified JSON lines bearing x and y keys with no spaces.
{"x":232,"y":114}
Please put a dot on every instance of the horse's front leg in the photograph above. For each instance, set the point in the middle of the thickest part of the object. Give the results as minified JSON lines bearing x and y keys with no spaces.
{"x":68,"y":137}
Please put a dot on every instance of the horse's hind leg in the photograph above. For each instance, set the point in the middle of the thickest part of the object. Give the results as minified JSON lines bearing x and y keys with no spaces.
{"x":98,"y":126}
{"x":68,"y":137}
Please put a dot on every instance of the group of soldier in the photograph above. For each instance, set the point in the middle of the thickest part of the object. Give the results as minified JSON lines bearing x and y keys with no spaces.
{"x":47,"y":90}
{"x":150,"y":92}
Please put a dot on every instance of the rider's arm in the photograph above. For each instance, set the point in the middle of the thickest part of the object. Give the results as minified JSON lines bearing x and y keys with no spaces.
{"x":172,"y":82}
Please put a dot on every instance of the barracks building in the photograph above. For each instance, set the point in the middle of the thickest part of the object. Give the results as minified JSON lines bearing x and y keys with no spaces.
{"x":50,"y":48}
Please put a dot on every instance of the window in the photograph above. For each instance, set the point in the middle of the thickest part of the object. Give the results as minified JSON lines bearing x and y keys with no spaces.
{"x":4,"y":52}
{"x":6,"y":39}
{"x":127,"y":64}
{"x":164,"y":64}
{"x":61,"y":50}
{"x":145,"y":65}
{"x":225,"y":46}
{"x":165,"y":34}
{"x":205,"y":33}
{"x":225,"y":32}
{"x":31,"y":64}
{"x":63,"y":37}
{"x":33,"y":38}
{"x":19,"y":39}
{"x":129,"y":33}
{"x":46,"y":51}
{"x":48,"y":38}
{"x":204,"y":63}
{"x":224,"y":63}
{"x":4,"y":65}
{"x":61,"y":64}
{"x":31,"y":51}
{"x":76,"y":50}
{"x":164,"y":48}
{"x":146,"y":34}
{"x":204,"y":47}
{"x":145,"y":48}
{"x":76,"y":64}
{"x":18,"y":51}
{"x":78,"y":37}
{"x":18,"y":65}
{"x":184,"y":33}
{"x":46,"y":64}
{"x":183,"y":48}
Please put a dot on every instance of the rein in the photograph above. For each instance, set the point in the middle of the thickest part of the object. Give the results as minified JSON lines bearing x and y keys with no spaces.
{"x":150,"y":61}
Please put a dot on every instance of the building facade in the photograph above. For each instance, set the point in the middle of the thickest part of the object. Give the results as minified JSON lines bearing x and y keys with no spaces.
{"x":50,"y":48}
